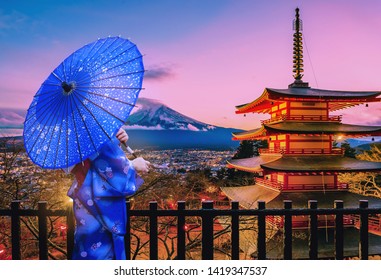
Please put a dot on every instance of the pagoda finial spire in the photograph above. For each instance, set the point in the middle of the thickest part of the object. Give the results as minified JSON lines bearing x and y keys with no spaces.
{"x":298,"y":47}
{"x":298,"y":52}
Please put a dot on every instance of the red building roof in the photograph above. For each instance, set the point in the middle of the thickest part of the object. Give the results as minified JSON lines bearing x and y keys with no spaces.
{"x":319,"y":163}
{"x":315,"y":128}
{"x":323,"y":127}
{"x":252,"y":164}
{"x":337,"y":99}
{"x":315,"y":163}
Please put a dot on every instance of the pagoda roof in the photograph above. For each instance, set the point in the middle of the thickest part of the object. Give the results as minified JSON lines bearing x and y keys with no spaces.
{"x":248,"y":197}
{"x":307,"y":128}
{"x":250,"y":134}
{"x":315,"y":163}
{"x":253,"y":164}
{"x":338,"y":99}
{"x":323,"y":127}
{"x":318,"y":163}
{"x":322,"y":93}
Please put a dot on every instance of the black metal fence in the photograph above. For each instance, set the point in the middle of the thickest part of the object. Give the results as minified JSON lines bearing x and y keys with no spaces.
{"x":42,"y":214}
{"x":207,"y":213}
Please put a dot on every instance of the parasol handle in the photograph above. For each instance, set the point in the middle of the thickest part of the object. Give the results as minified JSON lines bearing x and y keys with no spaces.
{"x":129,"y":150}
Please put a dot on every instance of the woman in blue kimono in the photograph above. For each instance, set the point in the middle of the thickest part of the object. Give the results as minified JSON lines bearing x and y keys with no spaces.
{"x":102,"y":183}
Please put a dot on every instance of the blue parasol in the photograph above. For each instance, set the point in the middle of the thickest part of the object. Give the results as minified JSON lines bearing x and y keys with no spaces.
{"x":83,"y":103}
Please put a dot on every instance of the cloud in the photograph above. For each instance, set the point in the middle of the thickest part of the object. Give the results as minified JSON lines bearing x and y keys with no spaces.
{"x":13,"y":20}
{"x":159,"y":73}
{"x":362,"y":115}
{"x":12,"y":117}
{"x":141,"y":127}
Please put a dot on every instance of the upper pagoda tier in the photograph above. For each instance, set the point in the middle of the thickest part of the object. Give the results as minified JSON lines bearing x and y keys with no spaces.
{"x":336,"y":99}
{"x":308,"y":129}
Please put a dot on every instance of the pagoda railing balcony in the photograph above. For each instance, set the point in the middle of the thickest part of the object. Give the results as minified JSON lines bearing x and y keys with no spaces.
{"x":269,"y":183}
{"x":272,"y":151}
{"x":315,"y":187}
{"x":309,"y":118}
{"x":373,"y":220}
{"x":306,"y":151}
{"x":323,"y":222}
{"x":294,"y":187}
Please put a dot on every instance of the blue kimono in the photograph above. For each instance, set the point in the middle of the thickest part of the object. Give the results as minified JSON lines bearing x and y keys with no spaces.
{"x":100,"y":205}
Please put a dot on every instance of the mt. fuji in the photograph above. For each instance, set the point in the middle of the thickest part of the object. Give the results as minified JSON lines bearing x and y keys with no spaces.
{"x":154,"y":125}
{"x":153,"y":115}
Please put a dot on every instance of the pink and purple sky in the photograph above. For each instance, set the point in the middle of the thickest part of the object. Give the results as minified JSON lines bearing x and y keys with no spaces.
{"x":203,"y":56}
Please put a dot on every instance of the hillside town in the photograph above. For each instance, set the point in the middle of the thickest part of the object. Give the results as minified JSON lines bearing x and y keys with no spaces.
{"x":174,"y":162}
{"x":179,"y":161}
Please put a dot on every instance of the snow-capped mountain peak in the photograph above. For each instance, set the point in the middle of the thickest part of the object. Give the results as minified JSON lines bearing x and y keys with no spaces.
{"x":150,"y":114}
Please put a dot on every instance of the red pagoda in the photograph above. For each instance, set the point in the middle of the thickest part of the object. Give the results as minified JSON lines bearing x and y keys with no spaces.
{"x":301,"y":161}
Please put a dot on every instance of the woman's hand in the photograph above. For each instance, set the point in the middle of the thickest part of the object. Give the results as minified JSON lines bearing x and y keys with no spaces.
{"x":141,"y":165}
{"x":122,"y":136}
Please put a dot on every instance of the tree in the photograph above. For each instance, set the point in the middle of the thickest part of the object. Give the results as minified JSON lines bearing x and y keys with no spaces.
{"x":374,"y":154}
{"x":10,"y":179}
{"x":230,"y":177}
{"x":348,"y":150}
{"x":249,"y":148}
{"x":21,"y":180}
{"x":365,"y":183}
{"x":246,"y":149}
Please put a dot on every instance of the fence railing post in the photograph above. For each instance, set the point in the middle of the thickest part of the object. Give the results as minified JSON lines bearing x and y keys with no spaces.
{"x":207,"y":231}
{"x":153,"y":236}
{"x":364,"y":238}
{"x":261,"y":231}
{"x":70,"y":230}
{"x":42,"y":230}
{"x":313,"y":228}
{"x":127,"y":237}
{"x":16,"y":235}
{"x":339,"y":231}
{"x":287,"y":245}
{"x":180,"y":230}
{"x":235,"y":231}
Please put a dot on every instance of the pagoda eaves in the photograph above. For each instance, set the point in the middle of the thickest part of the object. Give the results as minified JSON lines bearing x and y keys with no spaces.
{"x":337,"y":99}
{"x":253,"y":164}
{"x":308,"y":128}
{"x":312,"y":165}
{"x":327,"y":128}
{"x":321,"y":163}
